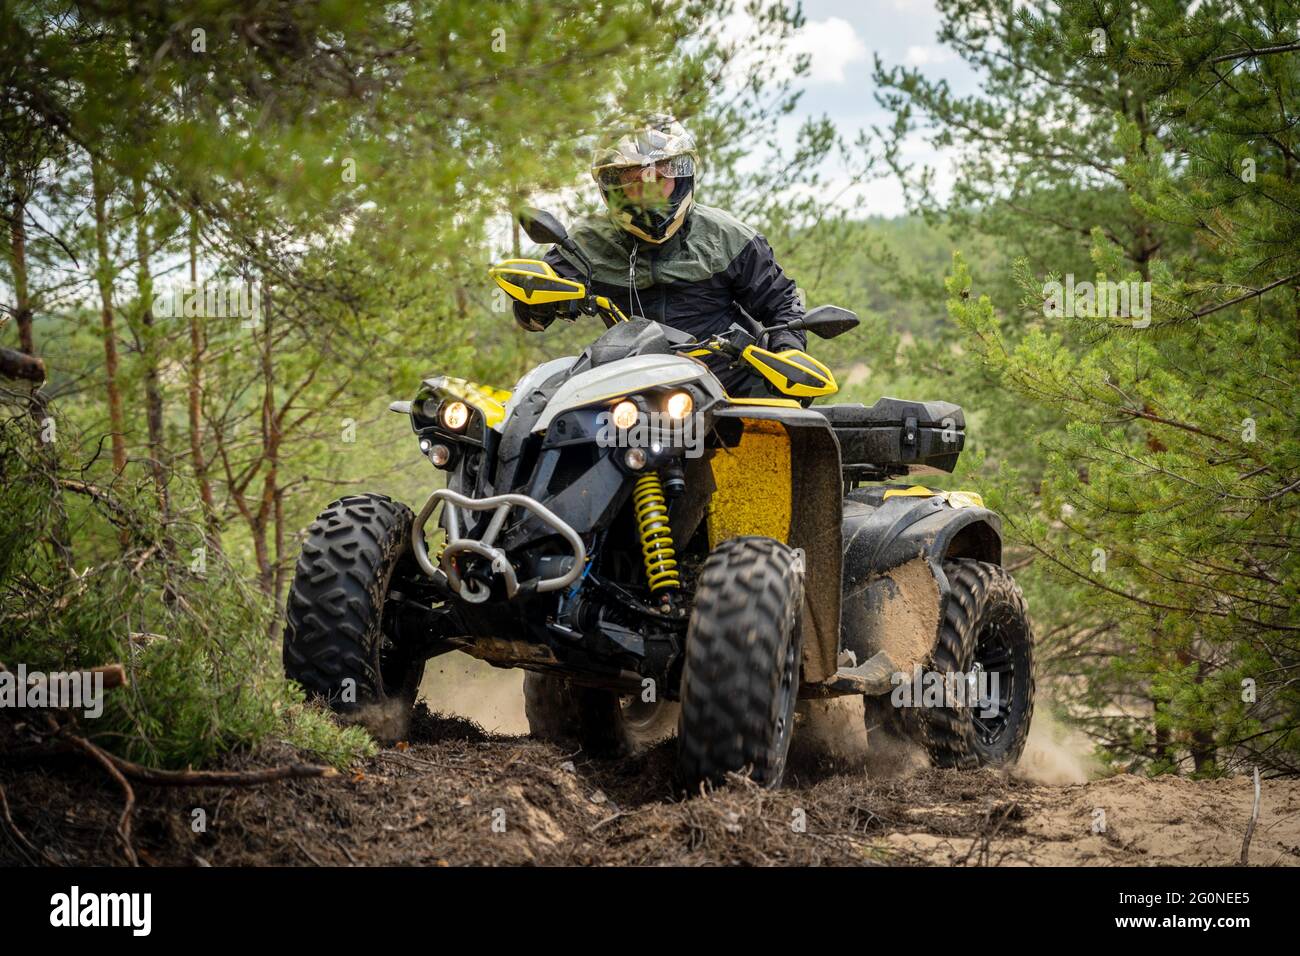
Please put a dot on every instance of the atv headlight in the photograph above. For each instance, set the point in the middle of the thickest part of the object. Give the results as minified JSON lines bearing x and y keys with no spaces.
{"x":625,"y":414}
{"x":428,"y":408}
{"x":455,"y":415}
{"x":679,"y":405}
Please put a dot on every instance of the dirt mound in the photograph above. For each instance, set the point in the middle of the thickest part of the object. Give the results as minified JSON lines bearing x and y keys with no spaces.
{"x":456,"y":795}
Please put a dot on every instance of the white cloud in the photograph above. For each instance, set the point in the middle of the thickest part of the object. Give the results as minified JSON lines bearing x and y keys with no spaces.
{"x":833,"y":44}
{"x":927,"y":55}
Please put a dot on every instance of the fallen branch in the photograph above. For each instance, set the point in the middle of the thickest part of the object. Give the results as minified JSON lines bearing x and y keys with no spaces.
{"x":114,"y":675}
{"x":221,"y":778}
{"x":199,"y":778}
{"x":14,"y":364}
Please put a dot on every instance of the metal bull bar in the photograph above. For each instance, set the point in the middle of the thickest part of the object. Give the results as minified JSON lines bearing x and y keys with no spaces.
{"x":476,"y":591}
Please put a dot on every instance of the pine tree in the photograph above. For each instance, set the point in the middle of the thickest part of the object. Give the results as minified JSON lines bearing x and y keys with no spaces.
{"x":1170,"y":495}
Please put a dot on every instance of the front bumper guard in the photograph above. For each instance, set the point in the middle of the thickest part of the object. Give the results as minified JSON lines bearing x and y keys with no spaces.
{"x":476,"y":591}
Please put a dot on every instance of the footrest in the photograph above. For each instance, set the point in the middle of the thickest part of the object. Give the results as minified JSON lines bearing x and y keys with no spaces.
{"x":874,"y":676}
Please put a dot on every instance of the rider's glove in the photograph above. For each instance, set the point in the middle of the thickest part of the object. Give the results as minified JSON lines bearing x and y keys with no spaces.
{"x":534,"y":318}
{"x":780,"y":341}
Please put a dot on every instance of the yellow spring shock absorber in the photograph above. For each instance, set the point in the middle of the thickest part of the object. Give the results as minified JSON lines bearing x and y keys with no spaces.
{"x":656,"y":537}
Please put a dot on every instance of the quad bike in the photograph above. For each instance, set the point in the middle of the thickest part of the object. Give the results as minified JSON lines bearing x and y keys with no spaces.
{"x":639,"y":569}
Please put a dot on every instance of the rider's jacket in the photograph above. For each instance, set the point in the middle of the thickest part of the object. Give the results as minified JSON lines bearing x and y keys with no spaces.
{"x":698,"y":281}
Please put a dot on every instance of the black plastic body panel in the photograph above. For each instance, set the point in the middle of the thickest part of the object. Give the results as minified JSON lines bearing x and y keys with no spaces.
{"x":894,"y":435}
{"x":882,"y":535}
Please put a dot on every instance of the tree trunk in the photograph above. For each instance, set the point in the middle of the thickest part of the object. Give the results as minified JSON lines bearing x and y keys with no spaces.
{"x":1204,"y":751}
{"x":104,"y":279}
{"x":270,"y":452}
{"x":153,"y":399}
{"x":18,"y":261}
{"x":29,"y":366}
{"x":281,"y":570}
{"x":195,"y":404}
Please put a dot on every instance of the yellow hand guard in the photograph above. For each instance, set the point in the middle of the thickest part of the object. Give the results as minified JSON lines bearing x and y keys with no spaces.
{"x":793,"y":372}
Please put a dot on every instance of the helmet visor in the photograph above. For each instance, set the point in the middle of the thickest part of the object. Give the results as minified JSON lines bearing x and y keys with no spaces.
{"x":619,"y":176}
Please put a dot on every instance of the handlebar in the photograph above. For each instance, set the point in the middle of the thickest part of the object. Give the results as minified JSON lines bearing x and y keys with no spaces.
{"x":731,"y":343}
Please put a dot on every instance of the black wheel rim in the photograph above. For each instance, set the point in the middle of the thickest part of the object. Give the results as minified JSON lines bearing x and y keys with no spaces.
{"x":785,"y":696}
{"x":994,"y":654}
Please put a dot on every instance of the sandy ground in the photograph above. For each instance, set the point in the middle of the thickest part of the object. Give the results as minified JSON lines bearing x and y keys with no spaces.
{"x":454,"y":794}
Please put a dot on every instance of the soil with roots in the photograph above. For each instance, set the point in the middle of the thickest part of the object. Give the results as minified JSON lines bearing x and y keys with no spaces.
{"x":453,"y":794}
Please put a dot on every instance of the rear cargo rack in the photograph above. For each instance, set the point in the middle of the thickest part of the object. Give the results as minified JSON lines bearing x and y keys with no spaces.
{"x":896,"y":437}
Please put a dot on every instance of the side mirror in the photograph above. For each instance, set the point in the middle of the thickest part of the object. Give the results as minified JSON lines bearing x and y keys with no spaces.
{"x":827,"y":321}
{"x":541,"y":226}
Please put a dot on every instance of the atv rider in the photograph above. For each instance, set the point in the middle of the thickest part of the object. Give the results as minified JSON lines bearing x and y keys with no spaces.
{"x":660,"y":255}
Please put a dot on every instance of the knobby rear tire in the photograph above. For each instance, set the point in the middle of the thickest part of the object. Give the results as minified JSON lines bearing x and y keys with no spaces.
{"x":984,"y":603}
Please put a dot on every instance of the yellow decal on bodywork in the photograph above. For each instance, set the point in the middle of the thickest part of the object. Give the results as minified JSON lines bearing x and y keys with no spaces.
{"x":770,"y":402}
{"x":956,"y":499}
{"x":753,"y":485}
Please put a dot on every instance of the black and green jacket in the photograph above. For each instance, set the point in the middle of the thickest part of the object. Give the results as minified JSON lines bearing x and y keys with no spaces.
{"x":698,"y":281}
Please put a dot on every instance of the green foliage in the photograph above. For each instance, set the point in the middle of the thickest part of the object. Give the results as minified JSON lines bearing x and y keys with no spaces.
{"x":204,"y":679}
{"x":1158,"y":492}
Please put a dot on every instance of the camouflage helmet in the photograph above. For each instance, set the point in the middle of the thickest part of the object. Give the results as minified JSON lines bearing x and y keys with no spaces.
{"x":644,"y":150}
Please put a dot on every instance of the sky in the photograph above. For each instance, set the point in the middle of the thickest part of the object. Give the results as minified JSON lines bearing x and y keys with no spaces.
{"x":843,"y":36}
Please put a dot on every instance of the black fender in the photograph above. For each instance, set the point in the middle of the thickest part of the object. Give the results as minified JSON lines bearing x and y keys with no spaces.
{"x":894,"y":583}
